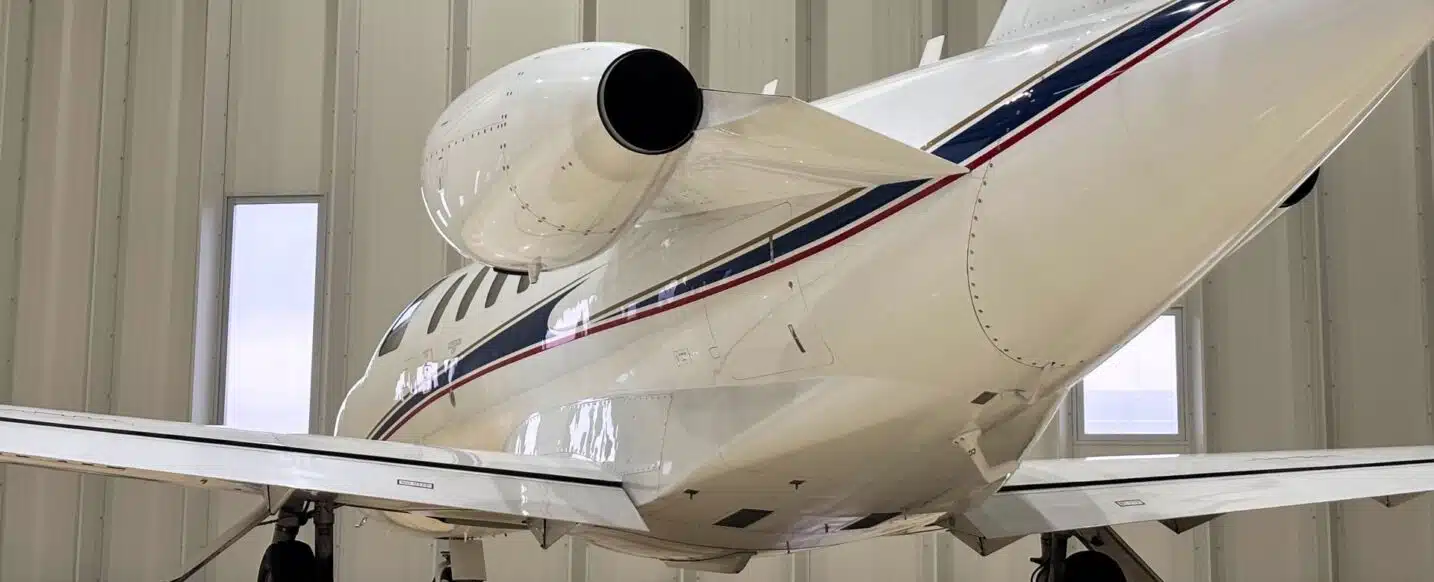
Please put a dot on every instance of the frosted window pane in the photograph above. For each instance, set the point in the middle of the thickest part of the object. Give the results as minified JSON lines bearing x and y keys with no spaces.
{"x":269,"y":349}
{"x":1136,"y":391}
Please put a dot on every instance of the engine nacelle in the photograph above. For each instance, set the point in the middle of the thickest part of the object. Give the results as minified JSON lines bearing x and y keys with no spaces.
{"x":545,"y":162}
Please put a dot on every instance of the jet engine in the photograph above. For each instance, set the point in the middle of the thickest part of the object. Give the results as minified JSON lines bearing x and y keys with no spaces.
{"x":544,"y":162}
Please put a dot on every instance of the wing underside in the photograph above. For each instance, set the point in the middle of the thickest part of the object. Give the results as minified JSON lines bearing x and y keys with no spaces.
{"x":480,"y":487}
{"x":1070,"y":494}
{"x":490,"y":489}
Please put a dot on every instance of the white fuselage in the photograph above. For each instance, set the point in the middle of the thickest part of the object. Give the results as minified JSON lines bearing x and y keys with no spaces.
{"x":896,"y":350}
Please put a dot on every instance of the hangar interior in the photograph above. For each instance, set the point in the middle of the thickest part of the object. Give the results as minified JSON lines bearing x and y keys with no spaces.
{"x":157,"y":154}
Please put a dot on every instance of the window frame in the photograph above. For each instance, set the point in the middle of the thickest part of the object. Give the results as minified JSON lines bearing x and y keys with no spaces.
{"x":226,"y":270}
{"x":1184,"y":388}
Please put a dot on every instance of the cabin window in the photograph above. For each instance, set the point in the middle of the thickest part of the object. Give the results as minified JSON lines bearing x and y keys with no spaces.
{"x":1137,"y":393}
{"x":269,"y":314}
{"x":394,"y":337}
{"x":471,"y":293}
{"x":495,"y":289}
{"x":443,"y":304}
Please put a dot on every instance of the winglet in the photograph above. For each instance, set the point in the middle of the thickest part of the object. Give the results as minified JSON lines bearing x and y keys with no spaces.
{"x":932,"y":52}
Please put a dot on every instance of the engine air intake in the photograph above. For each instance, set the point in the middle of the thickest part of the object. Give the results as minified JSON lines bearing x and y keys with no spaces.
{"x":649,"y":102}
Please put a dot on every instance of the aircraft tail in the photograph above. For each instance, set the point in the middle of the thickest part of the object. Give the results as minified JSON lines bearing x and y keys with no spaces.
{"x":1022,"y":18}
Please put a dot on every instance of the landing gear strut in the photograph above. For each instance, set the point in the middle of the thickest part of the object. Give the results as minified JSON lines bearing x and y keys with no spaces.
{"x":1107,"y":558}
{"x":289,"y":560}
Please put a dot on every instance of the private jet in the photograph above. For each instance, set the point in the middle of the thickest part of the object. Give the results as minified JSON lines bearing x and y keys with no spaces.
{"x":702,"y":326}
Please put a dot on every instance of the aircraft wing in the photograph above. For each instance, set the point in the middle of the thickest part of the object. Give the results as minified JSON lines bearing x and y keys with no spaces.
{"x":354,"y":472}
{"x":1069,"y":494}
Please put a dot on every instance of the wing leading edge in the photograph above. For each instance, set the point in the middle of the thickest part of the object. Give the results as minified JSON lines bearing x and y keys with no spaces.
{"x":359,"y":473}
{"x":1069,"y":494}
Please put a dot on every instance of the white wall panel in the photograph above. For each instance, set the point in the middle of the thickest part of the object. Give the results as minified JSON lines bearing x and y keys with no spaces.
{"x":897,"y":558}
{"x":517,"y":556}
{"x":870,"y":39}
{"x":276,"y":90}
{"x":154,"y":322}
{"x":502,"y":31}
{"x":15,"y":66}
{"x":661,"y":24}
{"x":604,"y":565}
{"x":1262,"y":393}
{"x":53,"y":263}
{"x":1378,"y":361}
{"x":969,"y":23}
{"x":753,"y":42}
{"x":123,"y":336}
{"x":1010,"y":563}
{"x":14,"y":90}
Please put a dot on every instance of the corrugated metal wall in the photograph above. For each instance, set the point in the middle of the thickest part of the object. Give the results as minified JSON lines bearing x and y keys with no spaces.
{"x":125,"y":123}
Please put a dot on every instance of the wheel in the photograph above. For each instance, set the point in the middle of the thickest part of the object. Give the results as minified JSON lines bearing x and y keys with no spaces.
{"x":1088,"y":566}
{"x":287,"y":561}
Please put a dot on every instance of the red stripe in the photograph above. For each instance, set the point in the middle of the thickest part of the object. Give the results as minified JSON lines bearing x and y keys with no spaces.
{"x":979,"y":160}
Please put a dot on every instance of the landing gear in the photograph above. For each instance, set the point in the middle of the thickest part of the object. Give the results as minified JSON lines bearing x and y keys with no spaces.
{"x":1091,"y":566}
{"x":289,"y":560}
{"x":1107,"y":558}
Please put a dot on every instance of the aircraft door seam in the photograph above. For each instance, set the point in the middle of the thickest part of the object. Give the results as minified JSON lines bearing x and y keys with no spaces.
{"x":974,"y":292}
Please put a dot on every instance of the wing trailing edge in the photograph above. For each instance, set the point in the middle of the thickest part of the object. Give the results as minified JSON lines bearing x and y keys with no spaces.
{"x":359,"y":473}
{"x":1183,"y":491}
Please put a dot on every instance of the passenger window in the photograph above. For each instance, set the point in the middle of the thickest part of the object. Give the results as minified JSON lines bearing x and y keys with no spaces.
{"x":471,"y":292}
{"x":497,"y":286}
{"x":395,"y":332}
{"x":443,"y":303}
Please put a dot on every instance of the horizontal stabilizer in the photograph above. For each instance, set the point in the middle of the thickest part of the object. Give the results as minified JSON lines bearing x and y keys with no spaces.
{"x":754,"y":148}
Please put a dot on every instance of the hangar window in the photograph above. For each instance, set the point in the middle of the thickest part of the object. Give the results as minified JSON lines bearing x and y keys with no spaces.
{"x":269,"y":314}
{"x":1136,"y":393}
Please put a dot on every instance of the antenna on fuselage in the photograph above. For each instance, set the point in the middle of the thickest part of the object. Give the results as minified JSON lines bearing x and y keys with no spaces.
{"x":932,"y":52}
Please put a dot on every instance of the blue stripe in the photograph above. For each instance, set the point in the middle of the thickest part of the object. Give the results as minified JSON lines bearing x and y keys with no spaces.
{"x":1076,"y":74}
{"x":506,"y":342}
{"x":961,"y":148}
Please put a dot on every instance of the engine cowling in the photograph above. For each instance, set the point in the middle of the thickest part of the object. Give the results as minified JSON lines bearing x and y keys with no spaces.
{"x":545,"y":162}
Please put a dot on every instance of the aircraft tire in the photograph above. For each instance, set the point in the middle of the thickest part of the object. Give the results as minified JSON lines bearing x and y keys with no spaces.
{"x":1088,"y":566}
{"x":288,"y":561}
